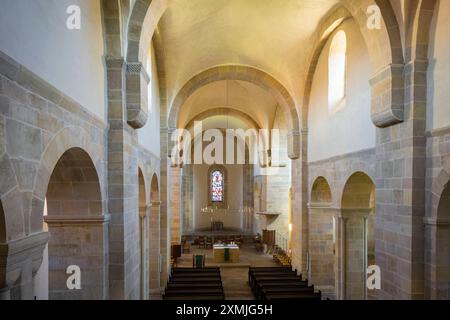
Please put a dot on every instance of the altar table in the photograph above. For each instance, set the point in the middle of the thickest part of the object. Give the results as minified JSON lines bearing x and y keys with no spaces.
{"x":221,"y":252}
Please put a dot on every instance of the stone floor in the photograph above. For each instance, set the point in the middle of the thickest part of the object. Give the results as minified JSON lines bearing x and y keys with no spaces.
{"x":234,"y":276}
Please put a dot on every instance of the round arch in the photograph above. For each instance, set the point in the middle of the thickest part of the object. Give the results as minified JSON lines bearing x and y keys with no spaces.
{"x":226,"y":112}
{"x":357,"y":209}
{"x":154,"y":188}
{"x":2,"y":224}
{"x":249,"y":74}
{"x":386,"y":59}
{"x":321,"y":191}
{"x":359,"y":192}
{"x":68,"y":138}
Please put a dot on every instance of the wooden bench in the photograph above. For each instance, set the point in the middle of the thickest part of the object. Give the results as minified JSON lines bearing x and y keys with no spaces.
{"x":193,"y":298}
{"x":294,"y":296}
{"x":280,"y":283}
{"x":194,"y":284}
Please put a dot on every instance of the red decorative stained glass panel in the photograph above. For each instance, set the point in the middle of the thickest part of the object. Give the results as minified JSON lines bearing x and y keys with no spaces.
{"x":216,"y":186}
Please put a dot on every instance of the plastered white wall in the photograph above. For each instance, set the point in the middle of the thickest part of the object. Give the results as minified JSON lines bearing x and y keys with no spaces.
{"x":149,"y":135}
{"x":234,"y":183}
{"x":349,"y":129}
{"x":438,"y":106}
{"x":35,"y":34}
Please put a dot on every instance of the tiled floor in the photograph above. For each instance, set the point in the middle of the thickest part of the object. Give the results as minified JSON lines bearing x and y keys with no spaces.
{"x":234,"y":276}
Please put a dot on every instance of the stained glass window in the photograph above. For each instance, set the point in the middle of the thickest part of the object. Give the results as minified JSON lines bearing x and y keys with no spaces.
{"x":216,"y":186}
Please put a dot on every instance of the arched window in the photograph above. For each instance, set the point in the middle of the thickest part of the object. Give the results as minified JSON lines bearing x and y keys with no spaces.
{"x":337,"y":65}
{"x":217,"y":186}
{"x":216,"y":179}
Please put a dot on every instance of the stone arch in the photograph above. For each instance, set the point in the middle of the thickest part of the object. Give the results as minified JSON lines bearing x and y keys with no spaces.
{"x":249,"y":74}
{"x":321,"y":191}
{"x":252,"y":123}
{"x":357,"y":209}
{"x":418,"y":35}
{"x":68,"y":138}
{"x":386,"y":58}
{"x":443,"y":212}
{"x":154,"y":188}
{"x":76,"y":226}
{"x":437,"y":239}
{"x":2,"y":224}
{"x":321,"y":237}
{"x":440,"y":286}
{"x":144,"y":18}
{"x":359,"y":192}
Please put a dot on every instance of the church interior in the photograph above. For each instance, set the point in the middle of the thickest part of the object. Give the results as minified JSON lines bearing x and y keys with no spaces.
{"x":224,"y":149}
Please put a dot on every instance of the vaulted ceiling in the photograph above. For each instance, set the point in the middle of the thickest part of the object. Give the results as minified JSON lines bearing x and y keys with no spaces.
{"x":267,"y":34}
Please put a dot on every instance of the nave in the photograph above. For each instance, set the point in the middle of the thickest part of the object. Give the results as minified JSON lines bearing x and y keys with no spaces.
{"x":141,"y":136}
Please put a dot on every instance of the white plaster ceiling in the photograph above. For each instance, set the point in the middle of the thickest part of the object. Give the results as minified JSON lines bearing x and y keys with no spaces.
{"x":271,"y":35}
{"x":242,"y":96}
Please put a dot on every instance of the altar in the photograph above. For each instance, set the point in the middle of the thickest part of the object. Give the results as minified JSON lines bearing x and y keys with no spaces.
{"x":226,"y":253}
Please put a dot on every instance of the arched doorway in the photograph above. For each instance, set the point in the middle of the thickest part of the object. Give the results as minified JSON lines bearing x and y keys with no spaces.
{"x":2,"y":224}
{"x":322,"y":238}
{"x":142,"y":228}
{"x":74,"y":215}
{"x":442,"y":283}
{"x":155,"y":241}
{"x":357,"y":209}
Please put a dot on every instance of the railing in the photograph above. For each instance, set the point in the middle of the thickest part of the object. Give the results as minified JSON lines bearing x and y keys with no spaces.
{"x":282,"y":242}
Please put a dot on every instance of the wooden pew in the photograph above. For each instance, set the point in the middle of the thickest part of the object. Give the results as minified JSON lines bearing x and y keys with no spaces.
{"x":282,"y":285}
{"x":196,"y":270}
{"x":294,"y":296}
{"x":283,"y":290}
{"x":195,"y":284}
{"x":195,"y":298}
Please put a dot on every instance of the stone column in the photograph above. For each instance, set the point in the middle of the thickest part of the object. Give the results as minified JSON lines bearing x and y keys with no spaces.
{"x":340,"y":255}
{"x":400,"y":157}
{"x":187,"y":198}
{"x":122,"y":188}
{"x":321,"y":248}
{"x":143,"y":227}
{"x":80,"y":241}
{"x":154,"y":250}
{"x":175,"y":205}
{"x":355,"y":252}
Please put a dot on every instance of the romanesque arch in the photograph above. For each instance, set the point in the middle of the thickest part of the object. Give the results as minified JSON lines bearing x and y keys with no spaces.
{"x":386,"y":56}
{"x":252,"y":123}
{"x":76,"y":228}
{"x":418,"y":35}
{"x":70,"y":178}
{"x":321,"y":237}
{"x":243,"y":73}
{"x":68,"y":138}
{"x":357,"y":209}
{"x":440,"y":287}
{"x":2,"y":224}
{"x":437,"y":239}
{"x":321,"y":191}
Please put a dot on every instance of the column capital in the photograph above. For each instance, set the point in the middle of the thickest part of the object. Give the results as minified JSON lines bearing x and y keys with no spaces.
{"x":155,"y":204}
